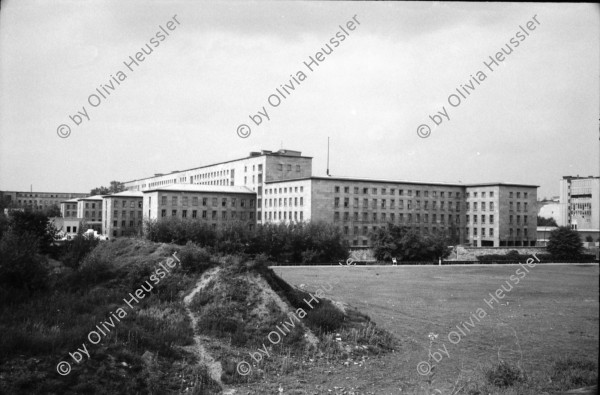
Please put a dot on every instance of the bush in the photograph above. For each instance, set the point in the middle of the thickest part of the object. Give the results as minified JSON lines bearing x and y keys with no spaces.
{"x":77,"y":249}
{"x":194,"y":258}
{"x":574,"y":372}
{"x":20,"y":265}
{"x":325,"y":317}
{"x":565,"y":242}
{"x":504,"y":375}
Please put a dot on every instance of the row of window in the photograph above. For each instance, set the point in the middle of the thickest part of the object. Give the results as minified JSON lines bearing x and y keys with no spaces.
{"x":382,"y":217}
{"x":123,"y":223}
{"x":284,"y":215}
{"x":271,"y":191}
{"x":483,"y":206}
{"x":215,"y":201}
{"x":124,"y":213}
{"x":382,"y":204}
{"x":260,"y":167}
{"x":225,"y":215}
{"x":288,"y":167}
{"x":124,"y":204}
{"x":284,"y":202}
{"x":392,"y":191}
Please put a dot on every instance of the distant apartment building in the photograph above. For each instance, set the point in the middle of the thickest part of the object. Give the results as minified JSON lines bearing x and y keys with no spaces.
{"x":68,"y":208}
{"x":36,"y":200}
{"x":580,"y":203}
{"x":212,"y":204}
{"x":122,"y":214}
{"x":494,"y":214}
{"x":252,"y":172}
{"x":89,"y":210}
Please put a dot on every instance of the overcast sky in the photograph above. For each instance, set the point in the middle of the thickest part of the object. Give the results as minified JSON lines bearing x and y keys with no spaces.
{"x":532,"y":120}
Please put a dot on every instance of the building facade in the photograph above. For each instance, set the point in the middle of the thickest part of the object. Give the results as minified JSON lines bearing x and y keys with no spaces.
{"x":580,"y":203}
{"x":481,"y":215}
{"x":252,"y":172}
{"x":122,"y":214}
{"x":211,"y":204}
{"x":36,"y":200}
{"x":495,"y":214}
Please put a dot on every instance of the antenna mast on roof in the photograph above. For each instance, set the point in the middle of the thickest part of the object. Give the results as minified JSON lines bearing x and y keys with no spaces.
{"x":328,"y":155}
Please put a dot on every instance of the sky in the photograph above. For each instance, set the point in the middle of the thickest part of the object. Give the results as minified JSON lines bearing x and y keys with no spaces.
{"x":532,"y":119}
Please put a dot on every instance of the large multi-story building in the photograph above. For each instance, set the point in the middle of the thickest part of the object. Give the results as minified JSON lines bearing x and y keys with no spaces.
{"x":213,"y":204}
{"x":580,"y":203}
{"x":122,"y":214}
{"x":480,"y":214}
{"x":252,"y":172}
{"x":36,"y":200}
{"x":495,"y":214}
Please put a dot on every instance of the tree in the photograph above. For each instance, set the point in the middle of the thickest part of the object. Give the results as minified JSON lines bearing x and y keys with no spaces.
{"x":35,"y":224}
{"x":115,"y":187}
{"x":565,"y":242}
{"x":542,"y":221}
{"x":408,"y":245}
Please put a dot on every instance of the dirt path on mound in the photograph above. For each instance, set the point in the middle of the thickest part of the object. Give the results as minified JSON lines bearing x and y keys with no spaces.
{"x":214,"y":367}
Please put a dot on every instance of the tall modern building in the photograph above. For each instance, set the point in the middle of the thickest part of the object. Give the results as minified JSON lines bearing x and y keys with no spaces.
{"x":580,"y":203}
{"x":490,"y":214}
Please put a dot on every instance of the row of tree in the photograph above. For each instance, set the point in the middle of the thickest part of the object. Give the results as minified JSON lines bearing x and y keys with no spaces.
{"x":292,"y":243}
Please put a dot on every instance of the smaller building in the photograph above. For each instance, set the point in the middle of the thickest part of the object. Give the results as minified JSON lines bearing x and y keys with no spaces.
{"x":36,"y":200}
{"x":89,"y":209}
{"x":122,"y":214}
{"x":68,"y":208}
{"x":68,"y":227}
{"x":216,"y":205}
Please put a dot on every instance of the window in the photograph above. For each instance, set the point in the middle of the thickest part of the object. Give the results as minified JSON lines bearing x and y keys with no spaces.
{"x":518,"y":195}
{"x":374,"y":203}
{"x":336,"y":202}
{"x":491,"y":219}
{"x":163,"y":201}
{"x":289,"y":167}
{"x":383,"y":191}
{"x":491,"y":206}
{"x":346,"y":202}
{"x":417,"y":193}
{"x":336,"y":189}
{"x":356,"y":190}
{"x":374,"y":191}
{"x":173,"y":213}
{"x":173,"y":200}
{"x":204,"y":201}
{"x":163,"y":213}
{"x":491,"y":232}
{"x":482,"y":195}
{"x":346,"y":189}
{"x":214,"y":215}
{"x":224,"y":215}
{"x":194,"y":213}
{"x":426,"y":194}
{"x":525,"y":195}
{"x":525,"y":207}
{"x":204,"y":214}
{"x":474,"y":206}
{"x":482,"y":219}
{"x":365,"y":191}
{"x":298,"y":168}
{"x":510,"y":195}
{"x":184,"y":214}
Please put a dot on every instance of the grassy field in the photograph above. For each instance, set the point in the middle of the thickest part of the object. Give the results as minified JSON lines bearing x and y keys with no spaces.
{"x":551,"y":315}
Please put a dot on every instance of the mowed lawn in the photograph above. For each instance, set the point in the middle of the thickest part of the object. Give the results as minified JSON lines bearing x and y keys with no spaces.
{"x":552,"y":313}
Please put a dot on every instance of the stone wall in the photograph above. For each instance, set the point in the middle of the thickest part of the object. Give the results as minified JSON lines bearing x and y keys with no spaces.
{"x":471,"y":253}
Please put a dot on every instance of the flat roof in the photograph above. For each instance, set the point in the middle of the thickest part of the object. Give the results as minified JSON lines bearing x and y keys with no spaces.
{"x":201,"y":188}
{"x":382,"y":181}
{"x":256,"y":155}
{"x":95,"y":197}
{"x":126,"y":194}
